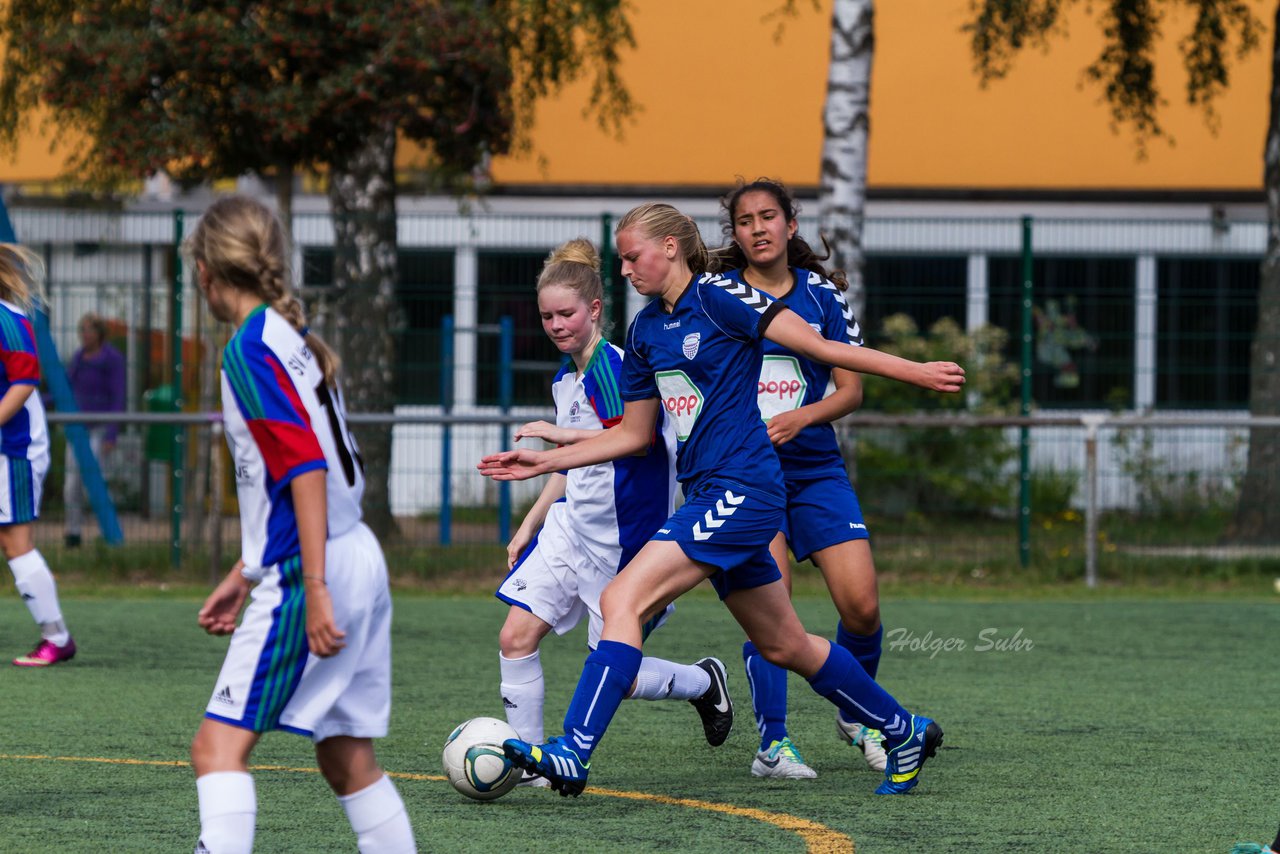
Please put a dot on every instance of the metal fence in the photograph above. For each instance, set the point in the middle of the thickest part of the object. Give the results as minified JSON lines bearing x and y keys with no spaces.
{"x":1106,"y":492}
{"x":1127,"y":325}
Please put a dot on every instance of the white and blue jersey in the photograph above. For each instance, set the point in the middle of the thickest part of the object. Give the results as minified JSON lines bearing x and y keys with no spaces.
{"x":614,"y":504}
{"x":24,"y":438}
{"x":610,"y":510}
{"x":282,"y":420}
{"x":702,"y":362}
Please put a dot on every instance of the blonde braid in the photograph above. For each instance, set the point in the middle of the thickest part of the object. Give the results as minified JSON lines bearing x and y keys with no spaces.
{"x":21,"y":271}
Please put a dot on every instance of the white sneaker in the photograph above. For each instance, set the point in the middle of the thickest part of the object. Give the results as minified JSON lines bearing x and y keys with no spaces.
{"x":871,"y":741}
{"x":781,"y":761}
{"x":534,"y":781}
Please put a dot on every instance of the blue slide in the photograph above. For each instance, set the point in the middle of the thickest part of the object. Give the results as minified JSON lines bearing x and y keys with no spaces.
{"x":55,"y":376}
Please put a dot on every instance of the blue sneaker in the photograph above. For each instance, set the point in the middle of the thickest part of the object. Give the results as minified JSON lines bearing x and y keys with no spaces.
{"x":906,"y":758}
{"x":554,"y":760}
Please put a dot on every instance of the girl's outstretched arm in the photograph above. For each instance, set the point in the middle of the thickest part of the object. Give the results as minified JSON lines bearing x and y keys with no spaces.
{"x":789,"y":329}
{"x":631,"y":436}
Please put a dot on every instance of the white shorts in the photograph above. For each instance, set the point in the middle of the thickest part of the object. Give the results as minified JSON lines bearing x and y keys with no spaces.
{"x":21,"y":485}
{"x":269,"y":681}
{"x":559,"y":580}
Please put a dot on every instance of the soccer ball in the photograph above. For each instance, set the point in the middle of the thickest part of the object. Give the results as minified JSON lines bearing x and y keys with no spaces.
{"x":474,"y":761}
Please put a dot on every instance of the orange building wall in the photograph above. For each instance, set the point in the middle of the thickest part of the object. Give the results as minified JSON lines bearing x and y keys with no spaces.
{"x":721,"y":97}
{"x":745,"y":105}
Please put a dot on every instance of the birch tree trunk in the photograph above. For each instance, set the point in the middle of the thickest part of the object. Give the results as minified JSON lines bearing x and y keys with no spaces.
{"x":846,"y":123}
{"x":362,"y":199}
{"x":1257,"y":517}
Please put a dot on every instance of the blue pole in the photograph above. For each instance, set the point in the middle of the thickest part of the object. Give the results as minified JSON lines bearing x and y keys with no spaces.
{"x":506,"y":355}
{"x":1024,"y":434}
{"x":446,"y":438}
{"x":55,"y":375}
{"x":177,"y":460}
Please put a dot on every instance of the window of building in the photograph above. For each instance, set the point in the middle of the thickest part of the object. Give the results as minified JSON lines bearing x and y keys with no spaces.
{"x":926,"y":289}
{"x":1082,"y":354}
{"x":1207,"y":310}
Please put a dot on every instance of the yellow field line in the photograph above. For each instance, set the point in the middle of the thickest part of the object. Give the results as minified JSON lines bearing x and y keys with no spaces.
{"x":818,"y":838}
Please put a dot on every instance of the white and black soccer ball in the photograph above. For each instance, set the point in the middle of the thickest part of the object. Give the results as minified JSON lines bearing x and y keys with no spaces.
{"x":474,"y":761}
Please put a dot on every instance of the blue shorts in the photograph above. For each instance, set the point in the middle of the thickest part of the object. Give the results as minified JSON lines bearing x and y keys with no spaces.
{"x":821,"y":512}
{"x":728,"y":526}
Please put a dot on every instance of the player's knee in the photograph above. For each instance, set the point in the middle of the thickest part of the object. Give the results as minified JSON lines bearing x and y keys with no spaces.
{"x":862,"y":617}
{"x":517,"y":641}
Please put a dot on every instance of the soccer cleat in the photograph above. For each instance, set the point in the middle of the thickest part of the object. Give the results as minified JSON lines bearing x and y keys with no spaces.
{"x":783,"y":762}
{"x":46,"y":654}
{"x":905,"y":759}
{"x":871,"y":741}
{"x":555,"y":761}
{"x":714,"y":707}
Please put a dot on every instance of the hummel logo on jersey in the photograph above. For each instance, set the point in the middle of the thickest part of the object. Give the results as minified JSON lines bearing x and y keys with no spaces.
{"x":749,"y":295}
{"x":664,"y":530}
{"x":519,"y":583}
{"x":691,"y":342}
{"x":858,"y":525}
{"x":675,"y":324}
{"x":508,"y":704}
{"x":224,"y":696}
{"x":713,"y":519}
{"x":27,"y":597}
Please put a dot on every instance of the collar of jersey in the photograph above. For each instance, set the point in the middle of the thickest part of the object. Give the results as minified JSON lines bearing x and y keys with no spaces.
{"x":741,"y":274}
{"x":688,"y":287}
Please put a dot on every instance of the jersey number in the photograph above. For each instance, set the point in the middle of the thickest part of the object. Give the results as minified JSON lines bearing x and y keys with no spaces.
{"x":340,"y":438}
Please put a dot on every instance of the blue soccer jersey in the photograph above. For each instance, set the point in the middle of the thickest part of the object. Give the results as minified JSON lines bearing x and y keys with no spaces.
{"x":25,"y":436}
{"x":282,"y":420}
{"x":789,"y":381}
{"x":702,"y":361}
{"x":615,"y":505}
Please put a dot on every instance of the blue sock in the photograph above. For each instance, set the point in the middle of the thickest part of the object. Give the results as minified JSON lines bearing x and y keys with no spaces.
{"x":768,"y":684}
{"x":843,"y":681}
{"x":865,"y":648}
{"x":606,"y":677}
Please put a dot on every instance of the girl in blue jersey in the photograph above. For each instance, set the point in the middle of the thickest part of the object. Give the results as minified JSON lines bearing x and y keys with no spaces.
{"x":312,"y":652}
{"x":695,"y":352}
{"x":823,"y":520}
{"x":24,"y":457}
{"x":589,"y":522}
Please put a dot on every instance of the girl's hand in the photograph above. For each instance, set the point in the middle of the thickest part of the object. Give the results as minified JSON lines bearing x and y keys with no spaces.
{"x":324,"y":638}
{"x":543,"y":430}
{"x":510,"y":465}
{"x":516,"y":547}
{"x":942,"y":376}
{"x":784,"y":426}
{"x":218,"y":614}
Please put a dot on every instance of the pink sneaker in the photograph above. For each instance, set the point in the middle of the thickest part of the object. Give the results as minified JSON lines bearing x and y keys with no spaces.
{"x":47,"y":653}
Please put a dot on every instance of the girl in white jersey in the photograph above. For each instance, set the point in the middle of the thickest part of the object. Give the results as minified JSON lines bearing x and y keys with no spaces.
{"x":695,"y":352}
{"x":24,"y":458}
{"x":312,"y":653}
{"x":588,"y":523}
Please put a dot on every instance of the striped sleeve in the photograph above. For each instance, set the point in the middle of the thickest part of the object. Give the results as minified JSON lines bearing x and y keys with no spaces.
{"x":18,"y":349}
{"x":602,"y":387}
{"x":853,"y":330}
{"x":272,"y":410}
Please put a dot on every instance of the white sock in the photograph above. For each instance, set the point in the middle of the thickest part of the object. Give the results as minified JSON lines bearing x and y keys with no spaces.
{"x":523,"y":693}
{"x":35,"y":583}
{"x":660,"y":679}
{"x":377,"y":816}
{"x":228,"y":810}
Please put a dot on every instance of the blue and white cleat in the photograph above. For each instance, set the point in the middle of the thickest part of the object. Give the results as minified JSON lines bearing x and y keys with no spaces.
{"x":905,"y":759}
{"x":555,"y":761}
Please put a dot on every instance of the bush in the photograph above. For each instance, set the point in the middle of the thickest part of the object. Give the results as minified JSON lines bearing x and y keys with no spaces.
{"x":939,"y":469}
